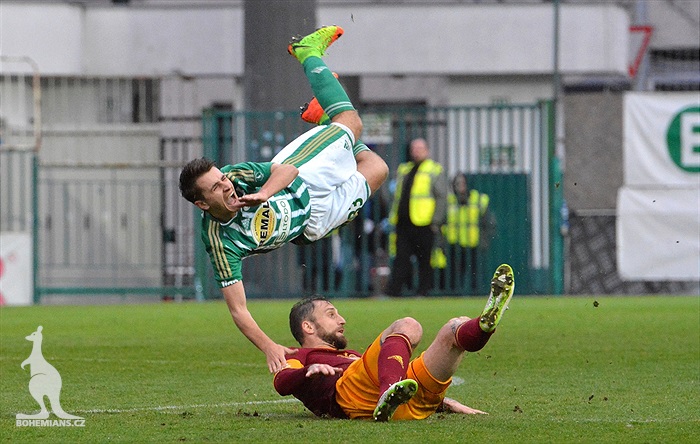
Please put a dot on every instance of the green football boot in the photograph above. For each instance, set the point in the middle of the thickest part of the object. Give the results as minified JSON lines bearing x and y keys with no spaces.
{"x":398,"y":393}
{"x":314,"y":44}
{"x":502,"y":286}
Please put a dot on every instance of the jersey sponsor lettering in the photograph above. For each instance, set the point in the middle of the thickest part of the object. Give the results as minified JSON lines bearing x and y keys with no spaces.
{"x":263,"y":223}
{"x":269,"y":223}
{"x":285,"y":220}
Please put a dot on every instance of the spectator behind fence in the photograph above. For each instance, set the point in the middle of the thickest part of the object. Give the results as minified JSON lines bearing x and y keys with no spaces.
{"x":468,"y":232}
{"x":417,"y":212}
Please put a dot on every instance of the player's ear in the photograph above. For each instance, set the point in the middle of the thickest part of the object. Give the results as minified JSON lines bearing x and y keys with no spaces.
{"x":308,"y":327}
{"x":201,"y":205}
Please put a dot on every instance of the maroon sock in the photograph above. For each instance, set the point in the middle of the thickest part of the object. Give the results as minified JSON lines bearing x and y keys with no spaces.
{"x":471,"y":337}
{"x":393,"y":360}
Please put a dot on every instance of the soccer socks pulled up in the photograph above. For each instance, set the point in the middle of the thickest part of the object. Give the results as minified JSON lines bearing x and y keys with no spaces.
{"x":470,"y":337}
{"x":393,"y":360}
{"x":327,"y":89}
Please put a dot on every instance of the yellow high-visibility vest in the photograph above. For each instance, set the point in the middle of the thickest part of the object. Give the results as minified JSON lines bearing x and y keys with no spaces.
{"x":421,"y":205}
{"x":462,"y":225}
{"x":438,"y":258}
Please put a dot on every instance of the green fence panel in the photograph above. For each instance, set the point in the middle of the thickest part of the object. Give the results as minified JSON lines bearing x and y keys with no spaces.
{"x":510,"y":204}
{"x":87,"y":222}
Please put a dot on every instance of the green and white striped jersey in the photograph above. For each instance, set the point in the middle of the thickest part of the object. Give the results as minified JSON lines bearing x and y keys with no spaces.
{"x":254,"y":230}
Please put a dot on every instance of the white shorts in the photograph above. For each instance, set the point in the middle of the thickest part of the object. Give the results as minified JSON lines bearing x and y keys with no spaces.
{"x":327,"y":165}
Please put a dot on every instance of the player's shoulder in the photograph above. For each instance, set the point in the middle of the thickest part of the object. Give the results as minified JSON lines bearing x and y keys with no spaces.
{"x":227,"y":236}
{"x":323,"y":351}
{"x":245,"y":166}
{"x":249,"y":172}
{"x":352,"y":353}
{"x":302,"y":353}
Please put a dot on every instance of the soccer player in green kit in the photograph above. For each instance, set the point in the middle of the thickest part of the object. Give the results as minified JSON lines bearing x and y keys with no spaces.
{"x":317,"y":183}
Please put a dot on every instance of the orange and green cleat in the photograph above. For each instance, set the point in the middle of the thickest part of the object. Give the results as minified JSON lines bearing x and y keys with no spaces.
{"x":314,"y":44}
{"x":313,"y":113}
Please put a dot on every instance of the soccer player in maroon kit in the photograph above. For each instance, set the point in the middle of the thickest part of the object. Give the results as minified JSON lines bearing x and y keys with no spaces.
{"x":383,"y":383}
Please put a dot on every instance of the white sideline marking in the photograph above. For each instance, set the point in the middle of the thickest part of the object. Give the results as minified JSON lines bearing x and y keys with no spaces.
{"x":456,"y":380}
{"x":192,"y":406}
{"x":147,"y":361}
{"x":166,"y":361}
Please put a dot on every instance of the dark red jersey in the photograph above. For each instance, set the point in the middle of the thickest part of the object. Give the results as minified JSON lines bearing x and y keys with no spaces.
{"x":317,"y":393}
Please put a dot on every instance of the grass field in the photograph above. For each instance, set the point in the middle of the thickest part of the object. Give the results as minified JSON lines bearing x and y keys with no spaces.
{"x":585,"y":369}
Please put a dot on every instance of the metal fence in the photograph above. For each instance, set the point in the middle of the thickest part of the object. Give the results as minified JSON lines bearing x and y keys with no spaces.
{"x":505,"y":150}
{"x":84,"y":169}
{"x":100,"y":197}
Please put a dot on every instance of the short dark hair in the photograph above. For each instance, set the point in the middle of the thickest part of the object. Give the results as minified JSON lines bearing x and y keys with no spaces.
{"x":457,"y":177}
{"x":189,"y":175}
{"x":300,"y":312}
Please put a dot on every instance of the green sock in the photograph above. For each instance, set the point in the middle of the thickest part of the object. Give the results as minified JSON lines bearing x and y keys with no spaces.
{"x":359,"y":147}
{"x":327,"y":89}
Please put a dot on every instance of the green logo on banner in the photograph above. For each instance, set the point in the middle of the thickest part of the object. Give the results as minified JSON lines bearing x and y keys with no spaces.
{"x":683,"y":139}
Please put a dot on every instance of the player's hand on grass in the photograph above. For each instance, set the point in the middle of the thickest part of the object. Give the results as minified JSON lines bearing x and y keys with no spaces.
{"x":453,"y":406}
{"x":322,"y":369}
{"x":275,"y":357}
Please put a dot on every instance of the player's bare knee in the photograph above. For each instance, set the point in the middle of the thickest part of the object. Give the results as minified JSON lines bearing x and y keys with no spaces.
{"x":410,"y":328}
{"x":450,"y":328}
{"x":373,"y":168}
{"x":350,"y":119}
{"x":356,"y":124}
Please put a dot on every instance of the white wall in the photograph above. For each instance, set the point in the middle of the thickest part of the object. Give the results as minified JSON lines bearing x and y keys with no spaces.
{"x":675,"y":25}
{"x":143,"y":41}
{"x":66,"y":39}
{"x":477,"y":39}
{"x":392,"y":39}
{"x":52,"y":35}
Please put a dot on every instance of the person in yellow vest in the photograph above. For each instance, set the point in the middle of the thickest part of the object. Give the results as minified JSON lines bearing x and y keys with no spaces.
{"x":417,"y":213}
{"x":468,"y":230}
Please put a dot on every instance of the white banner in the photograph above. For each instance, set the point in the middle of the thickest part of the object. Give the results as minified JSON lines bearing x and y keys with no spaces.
{"x":658,"y":234}
{"x":661,"y":139}
{"x":16,"y":286}
{"x":658,"y":208}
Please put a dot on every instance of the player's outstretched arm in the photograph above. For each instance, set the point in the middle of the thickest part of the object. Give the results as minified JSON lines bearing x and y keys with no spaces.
{"x":281,"y":175}
{"x":289,"y":381}
{"x":236,"y":301}
{"x":452,"y":406}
